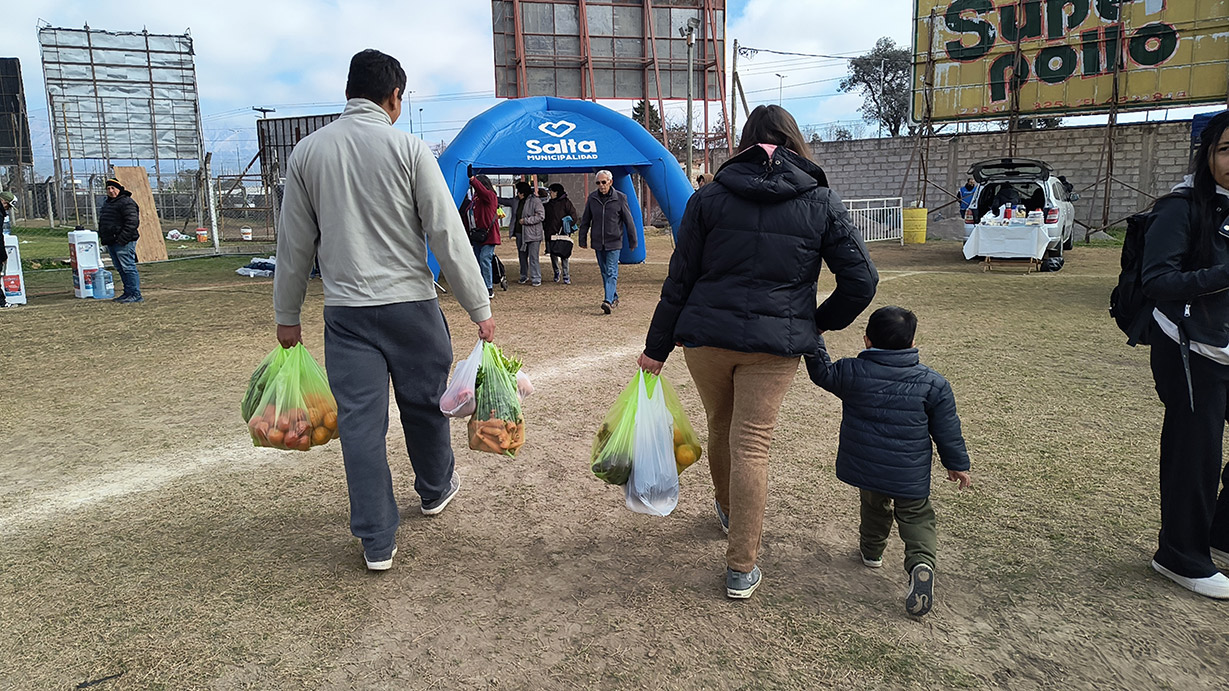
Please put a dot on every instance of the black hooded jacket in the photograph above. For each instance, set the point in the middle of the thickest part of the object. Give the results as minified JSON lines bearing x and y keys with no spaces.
{"x":1196,"y":297}
{"x":743,"y":276}
{"x":118,"y":220}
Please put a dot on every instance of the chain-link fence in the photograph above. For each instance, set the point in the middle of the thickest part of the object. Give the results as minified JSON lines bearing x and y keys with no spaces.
{"x":247,"y":209}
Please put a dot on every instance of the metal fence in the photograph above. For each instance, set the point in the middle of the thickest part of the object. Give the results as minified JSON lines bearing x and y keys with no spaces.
{"x":877,"y":219}
{"x":246,"y":209}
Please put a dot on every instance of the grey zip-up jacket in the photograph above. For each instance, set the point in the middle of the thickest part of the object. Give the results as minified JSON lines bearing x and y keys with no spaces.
{"x":532,"y":214}
{"x":607,"y":215}
{"x":367,"y":199}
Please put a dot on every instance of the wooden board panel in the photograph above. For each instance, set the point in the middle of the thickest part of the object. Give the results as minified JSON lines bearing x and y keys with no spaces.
{"x":150,"y":247}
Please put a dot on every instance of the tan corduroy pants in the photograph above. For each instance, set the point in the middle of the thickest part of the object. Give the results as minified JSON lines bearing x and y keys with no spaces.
{"x":742,"y":393}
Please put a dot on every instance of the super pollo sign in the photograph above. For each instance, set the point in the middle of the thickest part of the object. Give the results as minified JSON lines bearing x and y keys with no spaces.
{"x":1167,"y":53}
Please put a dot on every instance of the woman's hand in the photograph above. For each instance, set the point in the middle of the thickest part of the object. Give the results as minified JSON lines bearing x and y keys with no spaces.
{"x":648,"y":364}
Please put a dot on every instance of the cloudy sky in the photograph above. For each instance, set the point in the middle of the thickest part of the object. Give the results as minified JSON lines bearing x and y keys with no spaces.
{"x":292,"y":55}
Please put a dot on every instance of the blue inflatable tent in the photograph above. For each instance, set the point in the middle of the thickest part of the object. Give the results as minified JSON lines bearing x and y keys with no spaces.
{"x":559,"y":135}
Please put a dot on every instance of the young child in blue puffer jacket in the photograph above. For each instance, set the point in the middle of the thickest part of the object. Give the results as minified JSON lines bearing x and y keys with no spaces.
{"x":893,"y":407}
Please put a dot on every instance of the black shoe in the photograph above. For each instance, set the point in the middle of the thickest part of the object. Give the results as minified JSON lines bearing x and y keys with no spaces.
{"x":490,"y":292}
{"x":430,"y":508}
{"x":606,"y":307}
{"x":921,"y":590}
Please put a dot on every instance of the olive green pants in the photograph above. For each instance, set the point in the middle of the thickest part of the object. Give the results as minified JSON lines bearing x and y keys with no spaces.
{"x":915,"y":520}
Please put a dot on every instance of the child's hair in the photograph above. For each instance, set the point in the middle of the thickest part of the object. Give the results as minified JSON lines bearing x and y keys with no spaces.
{"x":891,"y":328}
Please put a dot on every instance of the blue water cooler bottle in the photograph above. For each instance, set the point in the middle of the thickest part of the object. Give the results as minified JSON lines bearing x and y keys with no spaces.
{"x":104,"y":286}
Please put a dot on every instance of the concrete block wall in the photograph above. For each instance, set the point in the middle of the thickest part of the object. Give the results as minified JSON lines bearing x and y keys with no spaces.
{"x":1149,"y":157}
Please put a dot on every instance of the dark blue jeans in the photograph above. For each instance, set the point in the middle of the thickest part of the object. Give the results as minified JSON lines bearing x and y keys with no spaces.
{"x":608,"y":263}
{"x":364,"y":348}
{"x":124,"y":258}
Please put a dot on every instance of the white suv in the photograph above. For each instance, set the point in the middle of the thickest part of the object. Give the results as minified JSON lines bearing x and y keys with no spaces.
{"x":1023,"y":181}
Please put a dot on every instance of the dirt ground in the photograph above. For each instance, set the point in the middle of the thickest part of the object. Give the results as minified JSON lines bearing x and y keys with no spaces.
{"x":142,"y":536}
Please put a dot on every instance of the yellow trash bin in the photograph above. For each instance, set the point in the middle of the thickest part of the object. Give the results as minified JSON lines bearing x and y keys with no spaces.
{"x":914,"y":226}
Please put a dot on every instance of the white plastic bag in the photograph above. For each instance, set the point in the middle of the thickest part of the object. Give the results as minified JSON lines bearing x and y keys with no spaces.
{"x":524,"y":387}
{"x":458,"y":399}
{"x":653,"y":487}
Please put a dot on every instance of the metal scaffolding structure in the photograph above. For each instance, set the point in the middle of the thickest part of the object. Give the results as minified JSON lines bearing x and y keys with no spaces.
{"x":123,"y":97}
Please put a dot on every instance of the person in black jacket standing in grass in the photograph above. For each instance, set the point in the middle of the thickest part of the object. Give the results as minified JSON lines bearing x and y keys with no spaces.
{"x":740,"y":297}
{"x":119,"y":218}
{"x":1185,"y":270}
{"x":893,"y":406}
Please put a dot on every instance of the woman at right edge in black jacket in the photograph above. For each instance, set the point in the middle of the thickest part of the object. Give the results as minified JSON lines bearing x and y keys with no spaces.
{"x":740,"y":298}
{"x":1186,"y":270}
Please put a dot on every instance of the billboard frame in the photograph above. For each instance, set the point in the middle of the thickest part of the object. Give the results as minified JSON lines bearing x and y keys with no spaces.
{"x":121,"y":96}
{"x":638,"y":43}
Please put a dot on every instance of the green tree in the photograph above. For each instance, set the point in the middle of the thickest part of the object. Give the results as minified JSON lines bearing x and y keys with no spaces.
{"x":883,"y":78}
{"x":653,"y":122}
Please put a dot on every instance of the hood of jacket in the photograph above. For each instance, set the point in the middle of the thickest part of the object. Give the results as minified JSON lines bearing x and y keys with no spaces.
{"x":1188,"y":182}
{"x":905,"y":357}
{"x":769,"y":174}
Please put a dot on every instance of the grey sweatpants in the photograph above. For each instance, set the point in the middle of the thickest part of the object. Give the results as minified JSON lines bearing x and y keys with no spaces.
{"x":365,"y":347}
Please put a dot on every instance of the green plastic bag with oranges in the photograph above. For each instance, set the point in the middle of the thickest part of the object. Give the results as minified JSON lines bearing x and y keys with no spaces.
{"x":288,"y":404}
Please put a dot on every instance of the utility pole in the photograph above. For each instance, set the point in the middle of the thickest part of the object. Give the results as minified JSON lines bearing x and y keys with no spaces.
{"x":409,"y":103}
{"x":689,"y":32}
{"x":733,"y":95}
{"x":422,"y":129}
{"x":264,"y":111}
{"x":883,"y":99}
{"x":780,"y":87}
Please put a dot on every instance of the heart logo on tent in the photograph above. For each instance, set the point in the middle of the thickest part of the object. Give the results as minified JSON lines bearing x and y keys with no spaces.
{"x":559,"y":129}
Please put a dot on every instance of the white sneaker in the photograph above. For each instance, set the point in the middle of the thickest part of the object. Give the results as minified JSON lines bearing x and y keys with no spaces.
{"x":1215,"y":586}
{"x":1219,"y":555}
{"x":383,"y":564}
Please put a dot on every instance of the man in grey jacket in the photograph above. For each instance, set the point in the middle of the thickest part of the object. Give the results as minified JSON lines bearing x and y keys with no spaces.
{"x":607,"y":213}
{"x":366,"y":199}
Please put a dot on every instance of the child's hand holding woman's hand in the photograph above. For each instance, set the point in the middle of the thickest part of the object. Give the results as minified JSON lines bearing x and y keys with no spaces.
{"x":961,"y":476}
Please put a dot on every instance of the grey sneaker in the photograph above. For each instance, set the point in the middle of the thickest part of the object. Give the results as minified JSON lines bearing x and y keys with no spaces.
{"x":871,"y":563}
{"x":1219,"y":555}
{"x":739,"y":585}
{"x":725,"y":520}
{"x":381,"y":564}
{"x":430,"y":508}
{"x":921,"y":590}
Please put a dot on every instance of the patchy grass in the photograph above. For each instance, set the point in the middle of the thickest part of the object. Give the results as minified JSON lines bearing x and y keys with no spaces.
{"x":143,"y":534}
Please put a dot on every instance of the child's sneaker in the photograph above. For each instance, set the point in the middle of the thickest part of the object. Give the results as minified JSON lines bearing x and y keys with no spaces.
{"x":871,"y":563}
{"x":921,"y":590}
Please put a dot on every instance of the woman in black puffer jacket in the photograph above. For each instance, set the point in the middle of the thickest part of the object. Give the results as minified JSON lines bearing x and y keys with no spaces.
{"x":1186,"y":270}
{"x":740,"y":298}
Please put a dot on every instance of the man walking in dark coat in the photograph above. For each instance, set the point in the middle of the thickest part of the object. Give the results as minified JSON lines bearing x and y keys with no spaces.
{"x":607,"y":213}
{"x":119,"y":218}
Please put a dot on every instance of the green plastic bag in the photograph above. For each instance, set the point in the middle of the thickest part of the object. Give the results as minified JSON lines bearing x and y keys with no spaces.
{"x":497,"y":425}
{"x":611,"y":455}
{"x":288,"y":404}
{"x":687,"y":447}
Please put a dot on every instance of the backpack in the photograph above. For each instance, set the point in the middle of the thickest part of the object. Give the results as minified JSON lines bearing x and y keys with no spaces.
{"x":1130,"y":308}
